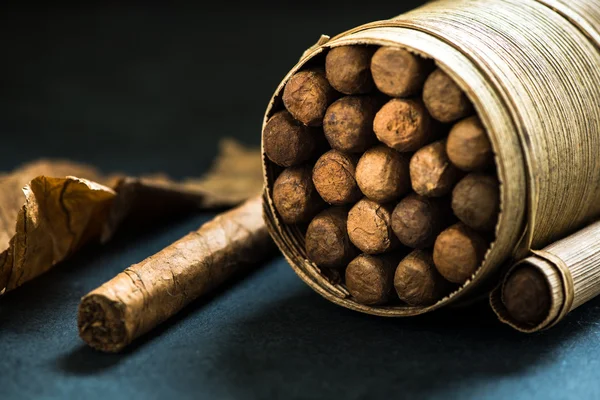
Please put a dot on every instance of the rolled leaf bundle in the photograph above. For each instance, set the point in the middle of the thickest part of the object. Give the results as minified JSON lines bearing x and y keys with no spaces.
{"x":466,"y":130}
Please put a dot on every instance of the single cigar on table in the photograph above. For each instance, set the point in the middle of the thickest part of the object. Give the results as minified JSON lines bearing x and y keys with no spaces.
{"x":287,"y":142}
{"x":417,"y":220}
{"x":526,"y":295}
{"x":431,"y":172}
{"x":476,"y":201}
{"x":295,"y":197}
{"x":370,"y":279}
{"x":369,"y":227}
{"x":327,"y":241}
{"x":334,"y":178}
{"x":307,"y":95}
{"x":399,"y":73}
{"x":148,"y":293}
{"x":348,"y":123}
{"x":348,"y":69}
{"x":383,"y":174}
{"x":443,"y":98}
{"x":404,"y":125}
{"x":468,"y":145}
{"x":417,"y":281}
{"x":457,"y":253}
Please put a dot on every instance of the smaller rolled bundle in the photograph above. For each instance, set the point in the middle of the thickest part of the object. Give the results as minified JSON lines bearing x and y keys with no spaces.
{"x":539,"y":291}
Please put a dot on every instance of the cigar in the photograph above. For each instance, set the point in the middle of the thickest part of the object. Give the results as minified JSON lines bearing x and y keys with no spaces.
{"x":327,"y":241}
{"x":334,"y":178}
{"x":476,"y":201}
{"x":307,"y":95}
{"x":468,"y":145}
{"x":457,"y":253}
{"x":417,"y":220}
{"x":348,"y":69}
{"x":370,"y":279}
{"x":383,"y":174}
{"x":148,"y":293}
{"x":443,"y":98}
{"x":431,"y":172}
{"x":287,"y":142}
{"x":399,"y":73}
{"x":417,"y":281}
{"x":404,"y":125}
{"x":348,"y":123}
{"x":526,"y":296}
{"x":295,"y":197}
{"x":369,"y":227}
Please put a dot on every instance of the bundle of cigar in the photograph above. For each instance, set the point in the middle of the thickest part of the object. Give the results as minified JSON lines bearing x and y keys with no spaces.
{"x":389,"y":172}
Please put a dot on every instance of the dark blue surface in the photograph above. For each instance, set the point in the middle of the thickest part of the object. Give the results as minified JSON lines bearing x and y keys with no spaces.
{"x":142,"y":89}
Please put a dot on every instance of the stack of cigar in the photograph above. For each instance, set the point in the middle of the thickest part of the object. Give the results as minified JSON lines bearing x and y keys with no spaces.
{"x":389,"y":170}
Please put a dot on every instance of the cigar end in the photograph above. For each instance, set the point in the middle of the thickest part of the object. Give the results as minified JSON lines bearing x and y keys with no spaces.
{"x":526,"y":296}
{"x":101,"y":323}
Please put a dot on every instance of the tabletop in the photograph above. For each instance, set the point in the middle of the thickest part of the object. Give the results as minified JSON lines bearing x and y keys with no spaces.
{"x":150,"y":88}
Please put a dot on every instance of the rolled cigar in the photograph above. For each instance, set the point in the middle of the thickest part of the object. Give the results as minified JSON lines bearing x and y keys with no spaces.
{"x":295,"y":196}
{"x":148,"y":293}
{"x":348,"y":69}
{"x":457,"y":253}
{"x":443,"y":98}
{"x":327,"y":241}
{"x":287,"y":142}
{"x":417,"y":281}
{"x":431,"y":172}
{"x":370,"y":279}
{"x":369,"y":227}
{"x":468,"y":145}
{"x":399,"y":73}
{"x":417,"y":220}
{"x":383,"y":174}
{"x":307,"y":95}
{"x":334,"y":178}
{"x":526,"y":295}
{"x":348,"y":123}
{"x":403,"y":125}
{"x":476,"y":201}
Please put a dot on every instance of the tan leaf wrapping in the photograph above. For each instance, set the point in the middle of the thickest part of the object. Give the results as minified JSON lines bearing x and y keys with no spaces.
{"x":67,"y":205}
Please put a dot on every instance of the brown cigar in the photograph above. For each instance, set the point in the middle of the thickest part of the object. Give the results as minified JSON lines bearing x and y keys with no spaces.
{"x":476,"y":201}
{"x":383,"y":175}
{"x":295,"y":196}
{"x":370,"y":279}
{"x":404,"y":125}
{"x":468,"y":145}
{"x":327,"y":241}
{"x":334,"y":177}
{"x":348,"y":123}
{"x":287,"y":142}
{"x":417,"y":281}
{"x":369,"y":227}
{"x":307,"y":95}
{"x":417,"y":220}
{"x":431,"y":172}
{"x":399,"y":73}
{"x":458,"y":252}
{"x":348,"y":69}
{"x":443,"y":98}
{"x":526,"y":296}
{"x":148,"y":293}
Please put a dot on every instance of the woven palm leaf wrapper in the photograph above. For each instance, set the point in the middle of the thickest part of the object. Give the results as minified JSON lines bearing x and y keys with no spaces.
{"x":532,"y":71}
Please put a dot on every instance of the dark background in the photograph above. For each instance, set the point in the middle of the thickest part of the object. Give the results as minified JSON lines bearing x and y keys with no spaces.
{"x":143,"y":88}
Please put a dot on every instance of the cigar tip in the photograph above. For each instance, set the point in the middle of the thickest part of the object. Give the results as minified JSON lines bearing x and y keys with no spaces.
{"x":526,"y":296}
{"x":101,"y":324}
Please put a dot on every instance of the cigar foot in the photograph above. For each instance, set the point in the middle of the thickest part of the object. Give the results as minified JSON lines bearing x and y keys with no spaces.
{"x":101,"y":324}
{"x":526,"y":296}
